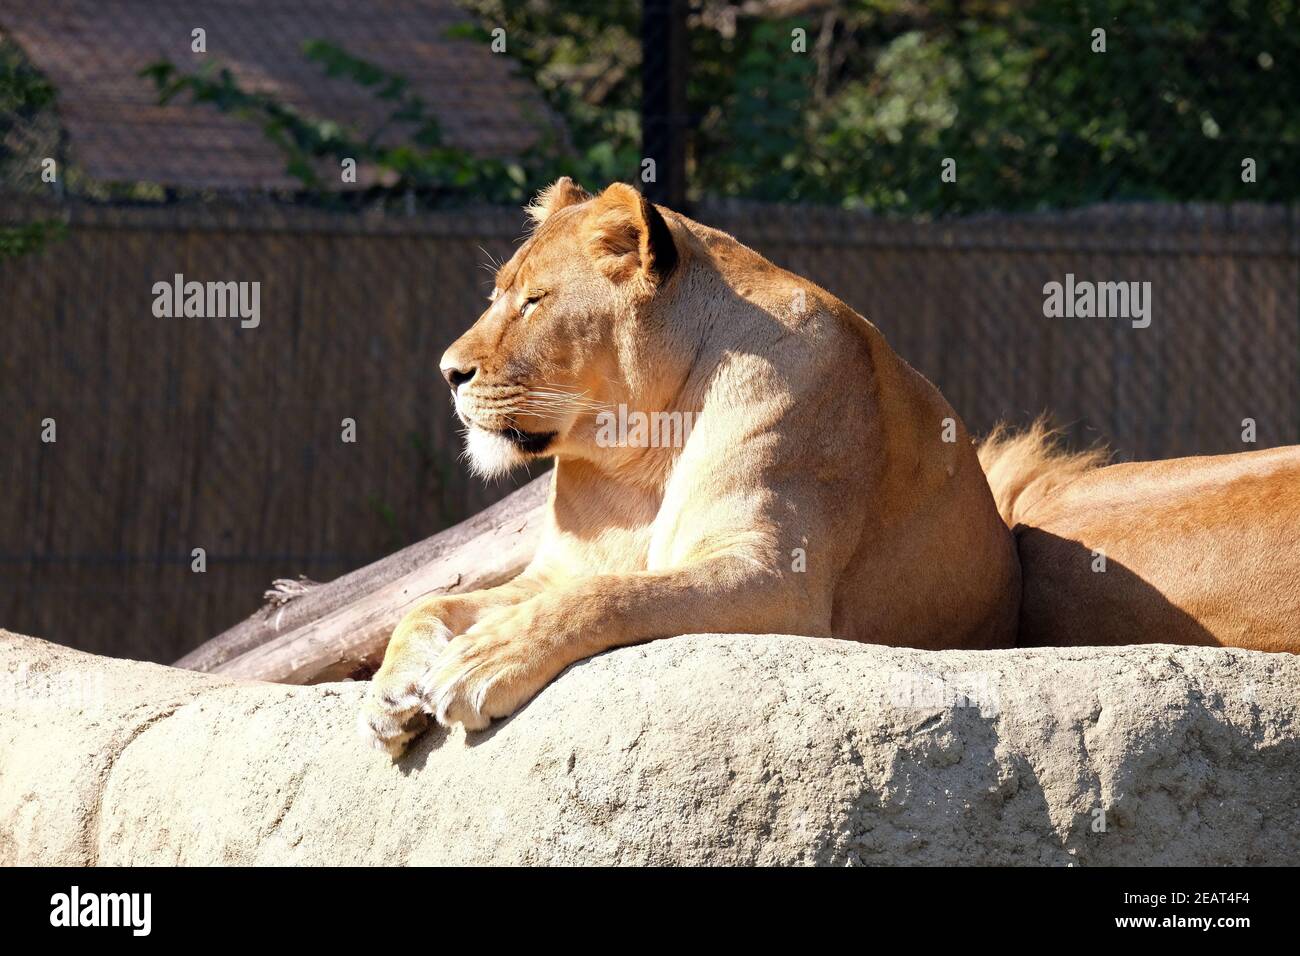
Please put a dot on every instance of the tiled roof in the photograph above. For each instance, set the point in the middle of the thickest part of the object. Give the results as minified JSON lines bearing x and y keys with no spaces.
{"x":92,"y":51}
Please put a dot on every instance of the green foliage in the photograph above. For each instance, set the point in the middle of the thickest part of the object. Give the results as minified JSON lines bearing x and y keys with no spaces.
{"x":27,"y":126}
{"x":406,"y":148}
{"x":25,"y":96}
{"x":756,"y":144}
{"x":23,"y":91}
{"x":1169,"y":111}
{"x":31,"y":132}
{"x":585,"y":59}
{"x":885,"y":91}
{"x":29,"y":237}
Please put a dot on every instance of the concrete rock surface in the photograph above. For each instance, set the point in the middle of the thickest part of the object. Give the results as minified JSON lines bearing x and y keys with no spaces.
{"x":710,"y":749}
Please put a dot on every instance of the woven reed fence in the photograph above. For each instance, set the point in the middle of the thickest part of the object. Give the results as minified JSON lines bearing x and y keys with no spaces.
{"x":175,"y":434}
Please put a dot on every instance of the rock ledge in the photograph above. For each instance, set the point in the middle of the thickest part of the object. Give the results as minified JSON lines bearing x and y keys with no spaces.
{"x":711,"y":749}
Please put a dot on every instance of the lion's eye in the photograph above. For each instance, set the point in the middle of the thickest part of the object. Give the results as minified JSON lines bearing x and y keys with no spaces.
{"x":530,"y":303}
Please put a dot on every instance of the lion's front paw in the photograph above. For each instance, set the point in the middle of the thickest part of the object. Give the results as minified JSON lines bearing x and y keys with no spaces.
{"x":393,"y":714}
{"x":395,"y":711}
{"x":476,"y":681}
{"x":490,"y":671}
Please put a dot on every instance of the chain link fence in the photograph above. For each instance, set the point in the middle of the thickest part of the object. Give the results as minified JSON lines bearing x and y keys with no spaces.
{"x":315,"y":435}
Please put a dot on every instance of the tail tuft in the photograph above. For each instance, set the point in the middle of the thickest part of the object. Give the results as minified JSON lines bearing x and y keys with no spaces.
{"x":1025,"y":467}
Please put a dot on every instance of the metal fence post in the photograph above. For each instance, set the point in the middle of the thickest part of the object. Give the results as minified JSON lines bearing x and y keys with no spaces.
{"x":663,"y":100}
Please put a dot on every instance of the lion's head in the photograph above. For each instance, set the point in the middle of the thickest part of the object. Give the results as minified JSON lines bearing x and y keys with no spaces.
{"x":544,"y":353}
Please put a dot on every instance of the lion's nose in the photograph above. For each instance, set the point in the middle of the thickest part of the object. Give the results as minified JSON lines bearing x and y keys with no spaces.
{"x":456,"y":377}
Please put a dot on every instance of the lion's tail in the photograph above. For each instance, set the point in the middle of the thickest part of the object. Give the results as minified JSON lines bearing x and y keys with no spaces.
{"x":1023,"y":467}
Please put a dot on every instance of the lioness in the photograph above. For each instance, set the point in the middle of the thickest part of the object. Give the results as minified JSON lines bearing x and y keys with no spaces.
{"x":826,"y":488}
{"x":1184,"y":551}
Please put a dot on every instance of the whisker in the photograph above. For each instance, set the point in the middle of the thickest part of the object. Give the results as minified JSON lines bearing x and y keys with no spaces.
{"x":564,"y":406}
{"x":563,"y":395}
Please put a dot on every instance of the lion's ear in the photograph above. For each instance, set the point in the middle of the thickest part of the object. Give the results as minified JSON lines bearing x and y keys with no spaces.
{"x":563,"y":192}
{"x":628,"y":237}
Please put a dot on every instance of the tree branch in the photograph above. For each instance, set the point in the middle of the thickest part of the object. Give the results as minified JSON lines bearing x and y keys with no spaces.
{"x":327,"y":628}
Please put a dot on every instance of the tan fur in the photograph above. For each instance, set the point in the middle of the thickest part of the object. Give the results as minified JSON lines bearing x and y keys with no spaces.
{"x":1196,"y":550}
{"x":563,"y":192}
{"x":815,"y":494}
{"x":1023,"y":467}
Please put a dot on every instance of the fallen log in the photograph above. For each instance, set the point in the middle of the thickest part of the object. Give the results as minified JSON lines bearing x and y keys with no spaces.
{"x":310,"y":632}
